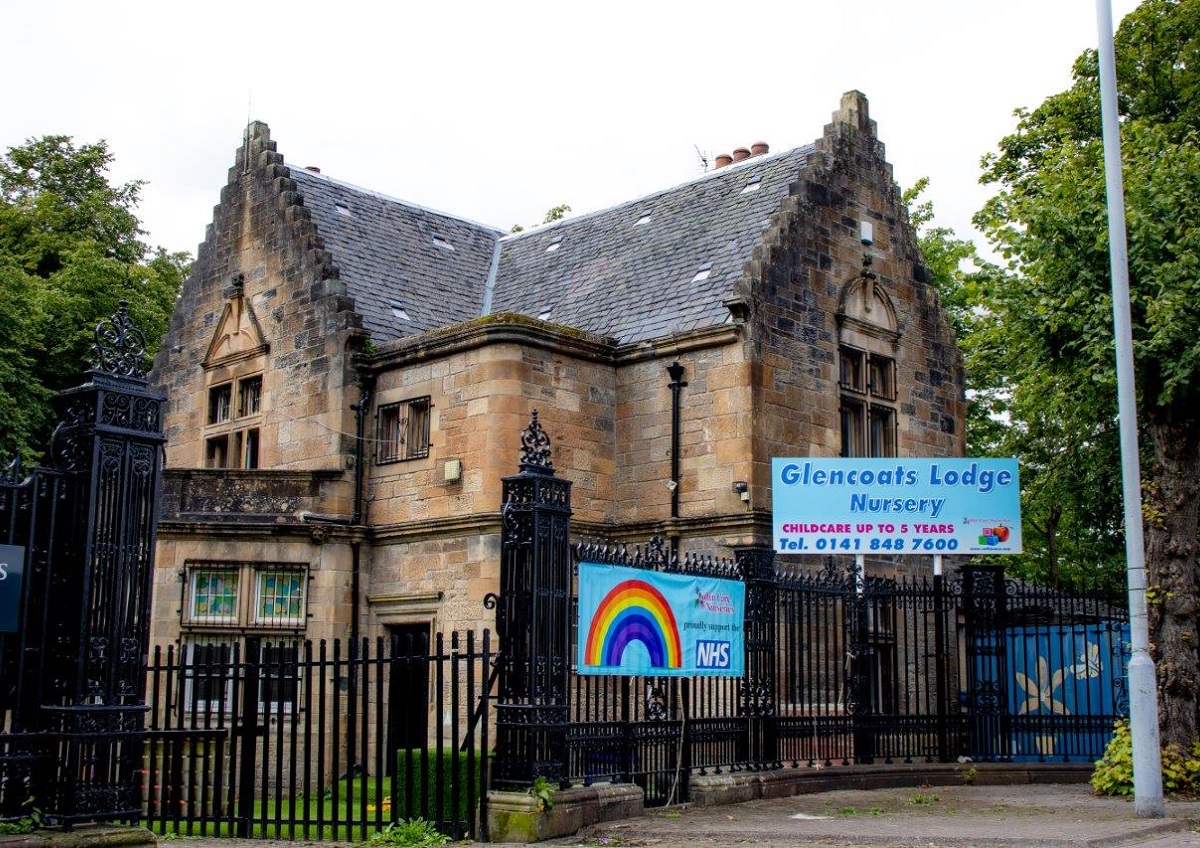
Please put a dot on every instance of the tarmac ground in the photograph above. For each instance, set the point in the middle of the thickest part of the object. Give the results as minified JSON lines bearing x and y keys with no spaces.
{"x":1044,"y":815}
{"x":1022,"y":816}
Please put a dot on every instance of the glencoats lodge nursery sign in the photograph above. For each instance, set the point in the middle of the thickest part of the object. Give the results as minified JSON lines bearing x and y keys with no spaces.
{"x":905,"y":506}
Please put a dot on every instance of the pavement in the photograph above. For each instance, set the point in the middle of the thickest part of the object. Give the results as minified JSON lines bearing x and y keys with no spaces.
{"x":957,"y":816}
{"x":1042,"y":815}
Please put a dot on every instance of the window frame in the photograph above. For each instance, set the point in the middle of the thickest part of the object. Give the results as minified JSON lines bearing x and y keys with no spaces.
{"x":249,"y":390}
{"x":395,"y":434}
{"x":241,"y":615}
{"x":220,"y":403}
{"x":257,"y":619}
{"x":193,"y":594}
{"x":868,"y":396}
{"x":280,"y":673}
{"x":280,"y":680}
{"x":233,"y":435}
{"x":191,"y":680}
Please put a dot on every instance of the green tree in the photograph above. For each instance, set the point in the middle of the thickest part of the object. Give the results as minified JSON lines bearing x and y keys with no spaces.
{"x":1053,"y":304}
{"x":70,"y":250}
{"x":1070,"y":501}
{"x":554,"y":213}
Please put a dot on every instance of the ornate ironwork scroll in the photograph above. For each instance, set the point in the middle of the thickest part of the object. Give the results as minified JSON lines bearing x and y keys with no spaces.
{"x":535,"y":448}
{"x":120,"y":347}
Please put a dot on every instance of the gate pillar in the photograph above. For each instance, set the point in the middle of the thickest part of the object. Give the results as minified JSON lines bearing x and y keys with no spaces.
{"x":533,"y":619}
{"x":756,"y":565}
{"x":91,"y":696}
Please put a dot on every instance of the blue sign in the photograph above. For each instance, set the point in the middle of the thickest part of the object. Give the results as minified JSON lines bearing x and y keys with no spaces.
{"x":12,"y":569}
{"x":896,"y":506}
{"x":634,"y":622}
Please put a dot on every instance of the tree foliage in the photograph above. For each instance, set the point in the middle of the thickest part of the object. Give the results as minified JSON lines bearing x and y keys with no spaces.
{"x":1051,"y":306}
{"x":70,"y":250}
{"x":1070,"y":499}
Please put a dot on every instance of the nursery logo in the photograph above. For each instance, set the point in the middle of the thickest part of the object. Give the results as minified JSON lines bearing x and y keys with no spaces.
{"x":993,"y":536}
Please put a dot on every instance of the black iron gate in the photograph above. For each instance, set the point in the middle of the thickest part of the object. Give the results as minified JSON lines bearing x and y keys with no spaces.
{"x":80,"y":534}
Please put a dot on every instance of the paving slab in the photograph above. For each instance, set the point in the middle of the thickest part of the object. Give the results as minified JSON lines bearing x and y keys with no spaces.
{"x":1023,"y":816}
{"x":1029,"y":816}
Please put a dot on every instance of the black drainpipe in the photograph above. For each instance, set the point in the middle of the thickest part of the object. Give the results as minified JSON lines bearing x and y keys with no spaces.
{"x":675,"y":372}
{"x":356,"y":517}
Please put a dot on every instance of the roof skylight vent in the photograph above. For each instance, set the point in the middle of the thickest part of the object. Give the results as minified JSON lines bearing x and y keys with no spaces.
{"x":440,"y":240}
{"x":544,"y":316}
{"x":645,"y":219}
{"x":554,"y":245}
{"x":754,"y":185}
{"x":342,"y":209}
{"x":702,"y":272}
{"x":398,"y":310}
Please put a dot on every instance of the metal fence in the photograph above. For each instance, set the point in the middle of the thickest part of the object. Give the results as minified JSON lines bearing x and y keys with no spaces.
{"x":77,"y":552}
{"x":295,"y":740}
{"x":845,"y":669}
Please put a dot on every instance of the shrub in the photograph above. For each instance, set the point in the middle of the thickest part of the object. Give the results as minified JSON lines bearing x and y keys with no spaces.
{"x":1113,"y":774}
{"x":421,"y":767}
{"x":410,"y":833}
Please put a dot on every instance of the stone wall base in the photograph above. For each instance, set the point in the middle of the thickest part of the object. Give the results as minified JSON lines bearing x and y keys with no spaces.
{"x":82,"y":836}
{"x":714,"y":789}
{"x":514,"y":816}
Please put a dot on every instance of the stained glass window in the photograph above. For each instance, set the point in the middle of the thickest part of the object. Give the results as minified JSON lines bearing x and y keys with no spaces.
{"x":280,"y":597}
{"x":214,"y":595}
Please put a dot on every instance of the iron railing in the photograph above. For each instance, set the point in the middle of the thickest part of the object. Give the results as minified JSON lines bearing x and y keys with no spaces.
{"x":295,"y":740}
{"x":856,"y":670}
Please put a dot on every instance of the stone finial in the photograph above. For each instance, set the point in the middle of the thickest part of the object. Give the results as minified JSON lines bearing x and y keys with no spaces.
{"x":120,"y":347}
{"x":854,"y":111}
{"x":535,"y":448}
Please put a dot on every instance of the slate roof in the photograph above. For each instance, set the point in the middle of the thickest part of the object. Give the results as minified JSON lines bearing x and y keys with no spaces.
{"x":385,"y":252}
{"x":606,"y":274}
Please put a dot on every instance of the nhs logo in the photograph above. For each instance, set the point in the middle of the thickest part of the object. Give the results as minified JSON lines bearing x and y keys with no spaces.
{"x":712,"y":654}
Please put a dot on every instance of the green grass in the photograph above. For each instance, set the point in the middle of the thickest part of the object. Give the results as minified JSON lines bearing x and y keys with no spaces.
{"x":347,"y":800}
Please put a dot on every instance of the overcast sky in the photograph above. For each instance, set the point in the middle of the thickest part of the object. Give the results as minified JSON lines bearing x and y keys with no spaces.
{"x":498,"y":111}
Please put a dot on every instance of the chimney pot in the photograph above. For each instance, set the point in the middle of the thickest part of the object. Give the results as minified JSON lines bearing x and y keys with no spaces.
{"x":759,"y":148}
{"x":722,"y":160}
{"x":740,"y":154}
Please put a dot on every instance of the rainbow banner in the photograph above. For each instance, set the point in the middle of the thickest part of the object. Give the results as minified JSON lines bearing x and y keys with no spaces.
{"x":641,"y":623}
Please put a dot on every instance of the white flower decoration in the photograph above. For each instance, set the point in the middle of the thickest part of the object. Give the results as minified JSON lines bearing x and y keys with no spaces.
{"x":1041,"y":692}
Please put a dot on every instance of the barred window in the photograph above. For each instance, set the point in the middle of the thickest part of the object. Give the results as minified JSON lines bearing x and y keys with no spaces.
{"x":262,"y":596}
{"x":403,"y":431}
{"x":279,"y":597}
{"x":214,"y":596}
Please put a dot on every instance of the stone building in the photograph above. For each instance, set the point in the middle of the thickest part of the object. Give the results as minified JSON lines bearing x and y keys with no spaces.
{"x":349,"y":375}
